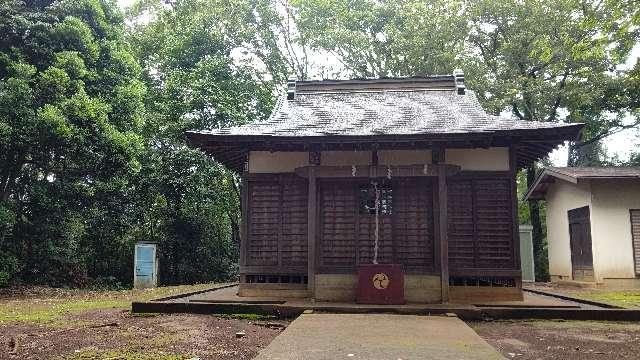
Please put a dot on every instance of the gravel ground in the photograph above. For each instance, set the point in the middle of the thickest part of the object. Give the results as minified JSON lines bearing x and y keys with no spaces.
{"x":562,"y":339}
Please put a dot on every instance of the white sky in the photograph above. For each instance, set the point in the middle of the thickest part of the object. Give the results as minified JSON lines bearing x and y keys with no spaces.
{"x":620,"y":144}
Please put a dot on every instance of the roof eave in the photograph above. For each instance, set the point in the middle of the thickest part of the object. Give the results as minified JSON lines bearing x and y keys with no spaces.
{"x":544,"y":175}
{"x":535,"y":143}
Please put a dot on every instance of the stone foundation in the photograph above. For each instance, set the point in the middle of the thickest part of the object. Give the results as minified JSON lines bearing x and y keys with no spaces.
{"x":343,"y":287}
{"x":298,"y":291}
{"x":480,"y":294}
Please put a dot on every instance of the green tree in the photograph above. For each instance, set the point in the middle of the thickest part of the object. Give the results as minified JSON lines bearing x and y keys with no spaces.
{"x":384,"y":38}
{"x":70,"y":112}
{"x":207,"y":64}
{"x":543,"y":59}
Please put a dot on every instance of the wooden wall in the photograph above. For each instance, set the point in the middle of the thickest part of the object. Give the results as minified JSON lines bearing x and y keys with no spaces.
{"x":346,"y":236}
{"x":277,"y":222}
{"x":480,"y":227}
{"x":480,"y":223}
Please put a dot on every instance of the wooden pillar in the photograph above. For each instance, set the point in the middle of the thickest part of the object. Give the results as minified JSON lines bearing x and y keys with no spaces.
{"x":440,"y":222}
{"x":244,"y":218}
{"x":444,"y":241}
{"x":513,"y":174}
{"x":311,"y":231}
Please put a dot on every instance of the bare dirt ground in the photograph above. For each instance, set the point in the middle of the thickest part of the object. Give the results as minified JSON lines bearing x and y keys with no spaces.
{"x":115,"y":334}
{"x":562,"y":339}
{"x":44,"y":323}
{"x":97,"y":330}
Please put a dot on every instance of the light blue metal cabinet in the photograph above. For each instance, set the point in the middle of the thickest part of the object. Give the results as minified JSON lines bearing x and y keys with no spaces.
{"x":145,"y":266}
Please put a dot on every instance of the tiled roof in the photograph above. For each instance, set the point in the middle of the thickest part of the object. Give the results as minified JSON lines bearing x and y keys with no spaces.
{"x":598,"y":172}
{"x":392,"y":113}
{"x":572,"y":174}
{"x":386,"y":112}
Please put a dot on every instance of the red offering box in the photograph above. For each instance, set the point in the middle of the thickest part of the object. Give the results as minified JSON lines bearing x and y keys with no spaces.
{"x":380,"y":284}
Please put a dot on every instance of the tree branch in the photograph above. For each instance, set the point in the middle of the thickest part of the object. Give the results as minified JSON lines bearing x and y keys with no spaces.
{"x":556,"y":103}
{"x":606,"y":133}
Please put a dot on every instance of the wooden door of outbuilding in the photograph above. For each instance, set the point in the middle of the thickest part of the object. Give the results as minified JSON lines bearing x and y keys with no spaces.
{"x":635,"y":235}
{"x":580,"y":242}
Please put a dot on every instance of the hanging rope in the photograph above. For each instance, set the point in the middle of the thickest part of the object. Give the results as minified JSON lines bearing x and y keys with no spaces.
{"x":377,"y":207}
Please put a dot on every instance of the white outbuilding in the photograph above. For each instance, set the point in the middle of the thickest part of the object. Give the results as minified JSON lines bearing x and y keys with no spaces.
{"x":593,"y":223}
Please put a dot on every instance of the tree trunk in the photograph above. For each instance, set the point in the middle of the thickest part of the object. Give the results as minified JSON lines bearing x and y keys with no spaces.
{"x":539,"y":254}
{"x":235,"y":215}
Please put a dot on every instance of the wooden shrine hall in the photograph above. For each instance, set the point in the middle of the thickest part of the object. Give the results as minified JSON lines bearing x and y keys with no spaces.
{"x":381,"y":191}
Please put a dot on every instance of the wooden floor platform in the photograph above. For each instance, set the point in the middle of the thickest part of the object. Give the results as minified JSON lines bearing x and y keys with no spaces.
{"x":535,"y":306}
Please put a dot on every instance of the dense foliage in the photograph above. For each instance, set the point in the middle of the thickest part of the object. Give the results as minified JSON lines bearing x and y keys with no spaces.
{"x":207,"y":63}
{"x":93,"y":107}
{"x":92,"y":151}
{"x":70,"y":113}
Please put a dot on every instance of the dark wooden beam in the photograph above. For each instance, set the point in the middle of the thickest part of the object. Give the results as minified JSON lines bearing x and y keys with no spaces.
{"x":485,"y":272}
{"x":311,"y":230}
{"x":437,"y":244}
{"x":244,"y":216}
{"x":315,"y":157}
{"x":273,"y":270}
{"x":444,"y":241}
{"x":368,"y":171}
{"x":438,"y":154}
{"x":440,"y":219}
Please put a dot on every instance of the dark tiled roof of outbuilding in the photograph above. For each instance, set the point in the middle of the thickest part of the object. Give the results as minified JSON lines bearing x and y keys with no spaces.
{"x":572,"y":174}
{"x":598,"y":172}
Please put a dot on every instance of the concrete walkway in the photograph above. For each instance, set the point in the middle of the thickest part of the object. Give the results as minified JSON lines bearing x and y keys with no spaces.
{"x":377,"y":337}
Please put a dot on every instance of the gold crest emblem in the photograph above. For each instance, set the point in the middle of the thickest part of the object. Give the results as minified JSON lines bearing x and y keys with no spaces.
{"x":380,"y":281}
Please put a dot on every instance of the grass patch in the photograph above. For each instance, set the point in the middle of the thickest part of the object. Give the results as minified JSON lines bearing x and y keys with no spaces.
{"x":66,"y":302}
{"x":123,"y":355}
{"x":49,"y":311}
{"x":629,"y":299}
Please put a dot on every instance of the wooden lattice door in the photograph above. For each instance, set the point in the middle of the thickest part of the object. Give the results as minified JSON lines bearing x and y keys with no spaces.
{"x":347,"y":224}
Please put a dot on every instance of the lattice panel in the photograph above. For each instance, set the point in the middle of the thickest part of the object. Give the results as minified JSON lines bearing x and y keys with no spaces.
{"x":347,"y":232}
{"x":460,"y":223}
{"x":264,"y":223}
{"x":277,"y":227}
{"x":413,"y":224}
{"x":339,"y":206}
{"x":480,"y":223}
{"x":494,"y":223}
{"x":293,"y":245}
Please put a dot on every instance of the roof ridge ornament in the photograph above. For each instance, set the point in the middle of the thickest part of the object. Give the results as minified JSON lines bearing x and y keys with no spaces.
{"x":291,"y":87}
{"x":458,"y":78}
